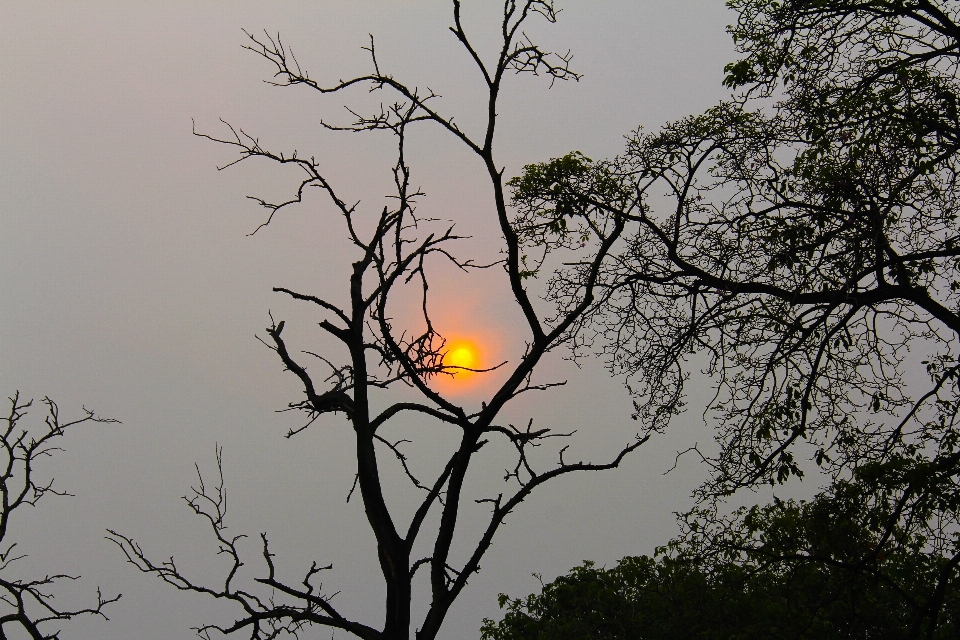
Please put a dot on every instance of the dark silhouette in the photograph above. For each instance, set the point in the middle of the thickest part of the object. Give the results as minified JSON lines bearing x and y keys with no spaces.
{"x":394,"y":249}
{"x":799,"y":243}
{"x":28,"y":603}
{"x":807,"y":570}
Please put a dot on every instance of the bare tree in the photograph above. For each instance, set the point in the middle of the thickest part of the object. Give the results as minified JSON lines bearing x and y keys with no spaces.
{"x":28,"y":604}
{"x":395,"y":254}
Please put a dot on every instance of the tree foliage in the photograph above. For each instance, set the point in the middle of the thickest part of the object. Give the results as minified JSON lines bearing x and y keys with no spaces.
{"x":803,"y":249}
{"x":799,"y":244}
{"x":801,"y":570}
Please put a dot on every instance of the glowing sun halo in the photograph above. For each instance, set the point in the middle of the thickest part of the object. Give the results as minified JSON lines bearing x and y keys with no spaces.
{"x":462,"y":353}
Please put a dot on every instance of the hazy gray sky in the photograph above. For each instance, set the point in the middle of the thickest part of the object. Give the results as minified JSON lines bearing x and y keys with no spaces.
{"x":128,"y":282}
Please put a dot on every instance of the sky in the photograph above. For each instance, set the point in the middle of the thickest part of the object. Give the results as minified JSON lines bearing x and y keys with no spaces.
{"x":130,"y":283}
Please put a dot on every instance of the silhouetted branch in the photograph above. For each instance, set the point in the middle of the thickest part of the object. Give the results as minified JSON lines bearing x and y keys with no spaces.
{"x":393,"y":251}
{"x":29,"y":604}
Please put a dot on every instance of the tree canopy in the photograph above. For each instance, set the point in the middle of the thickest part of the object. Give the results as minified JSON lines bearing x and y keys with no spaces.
{"x":801,"y":248}
{"x":799,"y":243}
{"x":785,"y":570}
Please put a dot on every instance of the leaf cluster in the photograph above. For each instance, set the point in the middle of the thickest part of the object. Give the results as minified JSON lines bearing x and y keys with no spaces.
{"x":794,"y":243}
{"x":826,"y":568}
{"x":797,"y":246}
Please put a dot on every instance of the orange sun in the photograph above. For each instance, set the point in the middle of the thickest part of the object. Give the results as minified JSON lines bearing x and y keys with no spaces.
{"x":462,"y":353}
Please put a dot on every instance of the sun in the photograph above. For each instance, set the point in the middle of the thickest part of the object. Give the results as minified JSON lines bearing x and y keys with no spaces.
{"x":462,"y":353}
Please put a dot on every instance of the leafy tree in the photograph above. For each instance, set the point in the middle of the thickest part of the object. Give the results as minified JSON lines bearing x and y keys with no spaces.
{"x":803,"y":570}
{"x":27,"y":604}
{"x":802,"y":240}
{"x":396,"y":251}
